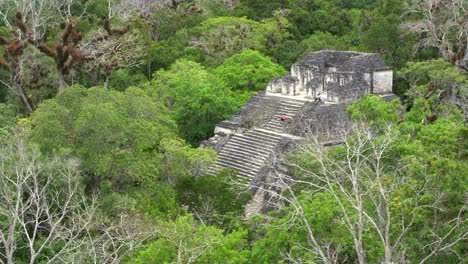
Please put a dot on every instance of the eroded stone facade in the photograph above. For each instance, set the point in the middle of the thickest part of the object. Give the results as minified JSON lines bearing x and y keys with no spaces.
{"x":337,"y":75}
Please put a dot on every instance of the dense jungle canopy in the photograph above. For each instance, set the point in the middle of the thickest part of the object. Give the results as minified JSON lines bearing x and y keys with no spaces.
{"x":103,"y":104}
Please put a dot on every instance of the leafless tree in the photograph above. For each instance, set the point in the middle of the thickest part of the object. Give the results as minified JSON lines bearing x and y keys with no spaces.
{"x":114,"y":48}
{"x":45,"y":212}
{"x":13,"y":60}
{"x":42,"y":203}
{"x":145,"y":9}
{"x":111,"y":240}
{"x":39,"y":15}
{"x":363,"y":184}
{"x":126,"y":8}
{"x":442,"y":24}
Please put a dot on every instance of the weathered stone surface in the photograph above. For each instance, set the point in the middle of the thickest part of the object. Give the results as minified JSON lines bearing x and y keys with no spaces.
{"x":338,"y":75}
{"x":253,"y":140}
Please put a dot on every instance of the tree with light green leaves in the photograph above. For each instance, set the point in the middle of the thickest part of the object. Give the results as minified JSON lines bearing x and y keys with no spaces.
{"x":248,"y":70}
{"x":186,"y":241}
{"x":197,"y":99}
{"x":437,"y":81}
{"x":115,"y":134}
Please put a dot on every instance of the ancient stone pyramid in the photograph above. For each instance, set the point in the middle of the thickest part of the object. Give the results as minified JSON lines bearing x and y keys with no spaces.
{"x":252,"y":139}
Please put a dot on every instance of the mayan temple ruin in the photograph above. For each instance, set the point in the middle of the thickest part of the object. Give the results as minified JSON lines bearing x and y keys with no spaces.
{"x":253,"y":139}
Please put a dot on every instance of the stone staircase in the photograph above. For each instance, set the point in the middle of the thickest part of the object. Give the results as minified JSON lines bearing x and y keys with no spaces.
{"x":248,"y":140}
{"x":286,"y":106}
{"x":247,"y":152}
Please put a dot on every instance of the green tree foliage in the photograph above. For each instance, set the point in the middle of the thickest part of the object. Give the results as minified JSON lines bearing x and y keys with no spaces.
{"x":325,"y":40}
{"x":198,"y":99}
{"x":258,"y":10}
{"x":384,"y":35}
{"x":288,"y":52}
{"x":180,"y":160}
{"x":186,"y":241}
{"x":8,"y":116}
{"x":328,"y":16}
{"x":97,"y":9}
{"x":116,"y":135}
{"x":437,"y":152}
{"x":394,"y":191}
{"x":206,"y":196}
{"x":249,"y":70}
{"x":170,"y":21}
{"x":123,"y":78}
{"x":284,"y":242}
{"x":433,"y":79}
{"x":305,"y":16}
{"x":222,"y":37}
{"x":412,"y":171}
{"x":375,"y":112}
{"x":152,"y":200}
{"x":165,"y":52}
{"x":442,"y":84}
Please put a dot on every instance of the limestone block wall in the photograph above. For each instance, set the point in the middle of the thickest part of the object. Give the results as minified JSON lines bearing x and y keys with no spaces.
{"x":337,"y":75}
{"x":339,"y":86}
{"x":288,"y":85}
{"x":300,"y":82}
{"x":382,"y":82}
{"x":305,"y":79}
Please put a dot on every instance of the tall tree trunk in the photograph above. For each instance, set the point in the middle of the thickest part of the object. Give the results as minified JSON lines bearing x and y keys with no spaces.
{"x":107,"y":73}
{"x":61,"y":87}
{"x":106,"y":81}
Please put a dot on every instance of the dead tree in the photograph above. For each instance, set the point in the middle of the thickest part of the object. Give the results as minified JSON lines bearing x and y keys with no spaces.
{"x":108,"y":67}
{"x":440,"y":24}
{"x":363,"y":184}
{"x":42,"y":203}
{"x":12,"y":61}
{"x":65,"y":53}
{"x":114,"y":48}
{"x":42,"y":15}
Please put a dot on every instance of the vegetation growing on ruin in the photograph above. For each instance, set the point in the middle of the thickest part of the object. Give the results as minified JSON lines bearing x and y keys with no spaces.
{"x":103,"y":104}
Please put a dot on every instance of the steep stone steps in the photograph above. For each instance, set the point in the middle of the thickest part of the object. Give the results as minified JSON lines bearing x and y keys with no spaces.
{"x":241,"y":158}
{"x":247,"y":152}
{"x":243,"y":167}
{"x":250,"y":144}
{"x":288,"y":107}
{"x":276,"y":125}
{"x":244,"y":171}
{"x":261,"y":136}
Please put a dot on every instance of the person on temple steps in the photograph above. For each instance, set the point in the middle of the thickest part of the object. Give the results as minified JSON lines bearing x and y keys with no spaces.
{"x":283,"y":117}
{"x":320,"y":98}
